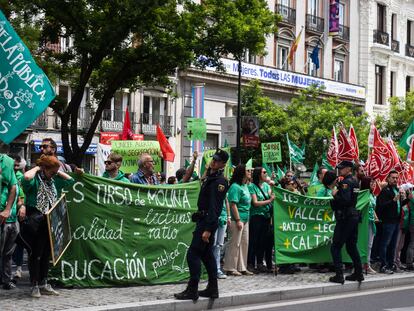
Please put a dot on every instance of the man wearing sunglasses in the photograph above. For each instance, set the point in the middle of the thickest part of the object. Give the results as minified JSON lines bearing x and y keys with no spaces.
{"x":112,"y":165}
{"x":49,"y":148}
{"x":145,"y":174}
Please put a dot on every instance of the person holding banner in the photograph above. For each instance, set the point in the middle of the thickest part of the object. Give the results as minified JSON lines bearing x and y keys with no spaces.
{"x":112,"y":165}
{"x":42,"y":186}
{"x":261,"y":212}
{"x":210,"y":203}
{"x":235,"y":260}
{"x":346,"y":229}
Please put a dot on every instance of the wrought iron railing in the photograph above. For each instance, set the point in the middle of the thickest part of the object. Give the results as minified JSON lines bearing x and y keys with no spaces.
{"x":314,"y":23}
{"x":149,"y":123}
{"x":409,"y":50}
{"x":395,"y":46}
{"x":381,"y":37}
{"x":287,"y":13}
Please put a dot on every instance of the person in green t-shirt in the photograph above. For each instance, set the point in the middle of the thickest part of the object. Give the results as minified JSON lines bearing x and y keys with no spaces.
{"x":314,"y":188}
{"x":261,"y":211}
{"x":42,"y":185}
{"x":235,"y":261}
{"x":112,"y":165}
{"x":410,"y":248}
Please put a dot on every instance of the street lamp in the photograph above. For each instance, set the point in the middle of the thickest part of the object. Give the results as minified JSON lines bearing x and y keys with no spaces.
{"x":238,"y":157}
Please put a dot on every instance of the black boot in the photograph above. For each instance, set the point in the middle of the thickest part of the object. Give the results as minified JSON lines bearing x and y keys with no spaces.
{"x":190,"y":293}
{"x":356,"y":276}
{"x":337,"y":278}
{"x":211,"y":290}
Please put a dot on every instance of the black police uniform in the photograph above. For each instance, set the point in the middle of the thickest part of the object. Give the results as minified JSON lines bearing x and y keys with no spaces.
{"x":346,"y":229}
{"x":210,"y":202}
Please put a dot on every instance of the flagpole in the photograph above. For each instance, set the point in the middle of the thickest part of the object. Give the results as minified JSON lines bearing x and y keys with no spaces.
{"x":290,"y":157}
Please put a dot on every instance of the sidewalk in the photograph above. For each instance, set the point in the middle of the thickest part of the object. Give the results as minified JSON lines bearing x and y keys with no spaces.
{"x":233,"y":291}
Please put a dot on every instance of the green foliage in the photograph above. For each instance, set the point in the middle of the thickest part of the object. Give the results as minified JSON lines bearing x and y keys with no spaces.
{"x":132,"y":43}
{"x":308,"y":119}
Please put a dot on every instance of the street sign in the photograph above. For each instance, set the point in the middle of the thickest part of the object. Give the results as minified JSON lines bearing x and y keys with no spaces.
{"x":196,"y":129}
{"x":229,"y":131}
{"x":271,"y":152}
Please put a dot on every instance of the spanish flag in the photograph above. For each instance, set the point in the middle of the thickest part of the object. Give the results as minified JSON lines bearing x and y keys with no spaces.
{"x":294,"y":47}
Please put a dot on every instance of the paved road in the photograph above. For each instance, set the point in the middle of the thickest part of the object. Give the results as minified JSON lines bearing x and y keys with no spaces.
{"x":393,"y":299}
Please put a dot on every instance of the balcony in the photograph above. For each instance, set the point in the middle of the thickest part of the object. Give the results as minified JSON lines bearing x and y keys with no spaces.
{"x":149,"y":124}
{"x":113,"y":120}
{"x":381,"y":37}
{"x":41,"y":121}
{"x":288,"y":14}
{"x":85,"y":117}
{"x":343,"y":33}
{"x":314,"y":23}
{"x":409,"y":50}
{"x":395,"y":46}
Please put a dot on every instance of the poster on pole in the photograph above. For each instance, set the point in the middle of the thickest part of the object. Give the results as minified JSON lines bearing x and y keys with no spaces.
{"x":250,"y":132}
{"x":59,"y":229}
{"x":229,"y":131}
{"x":271,"y":152}
{"x":196,"y":129}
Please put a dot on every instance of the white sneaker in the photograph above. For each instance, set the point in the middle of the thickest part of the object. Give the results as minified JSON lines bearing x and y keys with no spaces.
{"x":35,"y":292}
{"x":18,"y":273}
{"x":47,"y":289}
{"x":221,"y":275}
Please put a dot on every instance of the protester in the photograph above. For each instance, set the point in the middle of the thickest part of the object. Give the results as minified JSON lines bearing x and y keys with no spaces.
{"x":145,"y":174}
{"x":389,"y":204}
{"x":112,"y":165}
{"x":260,"y":221}
{"x":184,"y":175}
{"x":49,"y":147}
{"x":313,"y":189}
{"x":42,"y":185}
{"x":346,"y":228}
{"x":403,"y":228}
{"x":9,"y":227}
{"x":224,"y":221}
{"x":235,"y":260}
{"x":171,"y":180}
{"x":328,"y":184}
{"x":210,"y":202}
{"x":410,"y":248}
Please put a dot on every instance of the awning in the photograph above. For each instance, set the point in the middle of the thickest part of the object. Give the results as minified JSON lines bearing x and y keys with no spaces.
{"x":36,"y":143}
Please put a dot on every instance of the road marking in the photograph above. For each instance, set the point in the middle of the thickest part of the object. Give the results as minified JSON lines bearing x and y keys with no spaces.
{"x":401,"y":309}
{"x":326,"y":298}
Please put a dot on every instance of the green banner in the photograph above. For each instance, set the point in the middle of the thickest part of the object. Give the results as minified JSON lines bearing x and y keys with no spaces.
{"x":25,"y":91}
{"x":196,"y":129}
{"x":271,"y":152}
{"x":130,"y":150}
{"x":127,"y":234}
{"x":304,"y":228}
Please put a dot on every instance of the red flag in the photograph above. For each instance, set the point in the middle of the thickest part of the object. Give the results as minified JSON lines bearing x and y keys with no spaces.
{"x":167,"y":152}
{"x":332,"y":155}
{"x":345,"y":147}
{"x":380,"y":161}
{"x":127,"y":133}
{"x":394,"y":154}
{"x":353,"y":139}
{"x":371,"y":135}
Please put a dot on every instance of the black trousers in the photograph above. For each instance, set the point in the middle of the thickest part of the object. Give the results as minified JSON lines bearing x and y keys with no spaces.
{"x":198,"y":252}
{"x":346,"y":232}
{"x":35,"y":238}
{"x":259,"y":241}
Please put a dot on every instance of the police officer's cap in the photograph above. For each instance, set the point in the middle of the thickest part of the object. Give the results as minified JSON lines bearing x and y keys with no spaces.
{"x":221,"y":155}
{"x":344,"y":164}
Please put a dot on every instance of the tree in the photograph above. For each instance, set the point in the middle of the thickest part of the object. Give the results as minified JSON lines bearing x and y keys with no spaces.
{"x":307,"y":119}
{"x":131,"y":43}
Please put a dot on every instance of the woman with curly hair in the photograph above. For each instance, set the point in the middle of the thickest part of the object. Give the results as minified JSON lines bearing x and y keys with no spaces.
{"x":42,"y":186}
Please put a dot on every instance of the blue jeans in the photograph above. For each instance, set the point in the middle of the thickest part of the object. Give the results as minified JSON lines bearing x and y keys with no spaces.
{"x":218,"y":245}
{"x":388,"y":244}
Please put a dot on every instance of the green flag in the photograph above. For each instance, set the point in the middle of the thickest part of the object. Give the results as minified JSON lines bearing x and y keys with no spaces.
{"x":304,"y":226}
{"x":284,"y":169}
{"x":405,"y":141}
{"x":314,"y":176}
{"x":279,"y":173}
{"x":325,"y":162}
{"x":206,"y":159}
{"x":297,"y":155}
{"x":25,"y":89}
{"x":269,"y":171}
{"x":249,"y":164}
{"x":186,"y":163}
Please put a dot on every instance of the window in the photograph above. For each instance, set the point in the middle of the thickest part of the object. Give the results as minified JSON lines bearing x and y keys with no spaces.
{"x":393,"y":27}
{"x":211,"y":141}
{"x":312,"y":70}
{"x":381,"y":11}
{"x":408,"y":84}
{"x":282,"y":55}
{"x":341,"y":14}
{"x":339,"y":70}
{"x":392,"y":84}
{"x":409,"y":32}
{"x":379,"y":73}
{"x":118,"y":107}
{"x":155,"y":108}
{"x":284,"y":10}
{"x":313,"y":7}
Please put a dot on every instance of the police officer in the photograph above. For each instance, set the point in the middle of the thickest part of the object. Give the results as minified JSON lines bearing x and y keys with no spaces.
{"x":347,"y":219}
{"x":210,"y":202}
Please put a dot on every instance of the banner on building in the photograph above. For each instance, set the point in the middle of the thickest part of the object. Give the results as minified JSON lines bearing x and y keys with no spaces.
{"x":304,"y":228}
{"x":229,"y":131}
{"x":271,"y":152}
{"x":127,"y":234}
{"x":131,"y":150}
{"x":107,"y":137}
{"x":25,"y":91}
{"x":333,"y":17}
{"x":250,"y":132}
{"x":197,"y":111}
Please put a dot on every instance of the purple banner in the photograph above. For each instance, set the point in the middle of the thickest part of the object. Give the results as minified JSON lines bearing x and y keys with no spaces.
{"x":333,"y":17}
